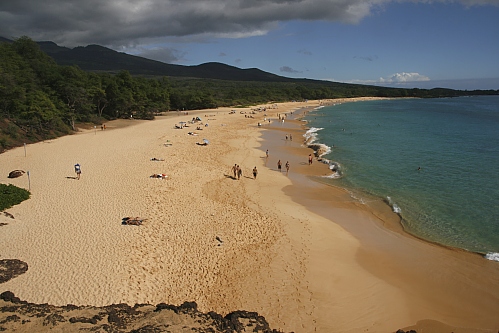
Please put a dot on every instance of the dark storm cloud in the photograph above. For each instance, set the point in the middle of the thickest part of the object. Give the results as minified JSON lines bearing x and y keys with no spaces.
{"x":130,"y":22}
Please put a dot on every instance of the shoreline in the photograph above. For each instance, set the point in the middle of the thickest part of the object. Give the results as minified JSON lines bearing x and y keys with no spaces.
{"x":396,"y":226}
{"x":383,"y":215}
{"x":488,"y":255}
{"x":267,"y":245}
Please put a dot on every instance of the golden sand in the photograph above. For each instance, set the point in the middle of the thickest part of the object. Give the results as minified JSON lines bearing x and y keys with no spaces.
{"x":300,"y":253}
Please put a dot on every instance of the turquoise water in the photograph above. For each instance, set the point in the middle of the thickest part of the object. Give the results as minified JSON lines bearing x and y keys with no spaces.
{"x":379,"y":146}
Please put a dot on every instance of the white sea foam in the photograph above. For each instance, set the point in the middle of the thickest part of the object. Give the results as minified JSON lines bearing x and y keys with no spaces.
{"x":494,"y":256}
{"x":320,"y":150}
{"x":311,"y":135}
{"x":334,"y":175}
{"x":395,"y":207}
{"x":359,"y":199}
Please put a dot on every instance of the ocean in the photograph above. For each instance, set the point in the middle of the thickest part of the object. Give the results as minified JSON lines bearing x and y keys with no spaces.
{"x":435,"y":161}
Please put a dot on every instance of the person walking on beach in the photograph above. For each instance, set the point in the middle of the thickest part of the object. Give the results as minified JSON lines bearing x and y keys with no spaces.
{"x":78,"y":170}
{"x":287,"y":167}
{"x":255,"y":172}
{"x":239,"y":172}
{"x":279,"y":165}
{"x":234,"y":170}
{"x":309,"y":159}
{"x":267,"y":153}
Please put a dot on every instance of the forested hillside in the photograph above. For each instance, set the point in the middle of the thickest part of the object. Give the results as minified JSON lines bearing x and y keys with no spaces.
{"x":40,"y":99}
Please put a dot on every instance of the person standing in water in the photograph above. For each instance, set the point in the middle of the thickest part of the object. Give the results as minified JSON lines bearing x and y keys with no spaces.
{"x":279,"y":165}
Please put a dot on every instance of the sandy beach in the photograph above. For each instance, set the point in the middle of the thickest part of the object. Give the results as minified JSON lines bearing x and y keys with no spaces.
{"x":303,"y":254}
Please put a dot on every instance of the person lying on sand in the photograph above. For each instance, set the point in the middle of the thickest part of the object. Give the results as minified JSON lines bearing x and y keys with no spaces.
{"x":132,"y":220}
{"x":157,"y":159}
{"x":192,"y":133}
{"x":158,"y":175}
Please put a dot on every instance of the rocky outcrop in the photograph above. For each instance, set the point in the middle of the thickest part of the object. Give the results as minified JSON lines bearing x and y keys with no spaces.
{"x":16,"y":173}
{"x":21,"y":316}
{"x":11,"y":268}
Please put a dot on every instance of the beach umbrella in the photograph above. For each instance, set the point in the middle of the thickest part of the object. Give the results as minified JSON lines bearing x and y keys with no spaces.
{"x":206,"y":141}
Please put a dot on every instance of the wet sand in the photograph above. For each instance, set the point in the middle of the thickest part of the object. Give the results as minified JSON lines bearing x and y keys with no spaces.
{"x":439,"y":284}
{"x":304,"y":255}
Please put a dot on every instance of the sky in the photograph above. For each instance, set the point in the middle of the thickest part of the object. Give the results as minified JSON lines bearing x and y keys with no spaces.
{"x":397,"y":43}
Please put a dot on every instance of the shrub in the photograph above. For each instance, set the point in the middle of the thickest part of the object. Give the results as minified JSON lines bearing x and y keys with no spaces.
{"x":11,"y":195}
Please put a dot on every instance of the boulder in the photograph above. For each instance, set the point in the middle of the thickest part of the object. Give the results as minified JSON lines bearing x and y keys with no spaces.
{"x":16,"y":173}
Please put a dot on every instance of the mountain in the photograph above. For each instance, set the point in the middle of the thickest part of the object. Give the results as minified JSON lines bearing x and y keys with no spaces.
{"x":101,"y":59}
{"x":98,"y":58}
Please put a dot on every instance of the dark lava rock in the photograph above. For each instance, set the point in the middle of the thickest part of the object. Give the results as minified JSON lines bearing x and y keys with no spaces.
{"x":94,"y":320}
{"x":16,"y":173}
{"x":18,"y":315}
{"x":9,"y":296}
{"x":11,"y":268}
{"x":53,"y":319}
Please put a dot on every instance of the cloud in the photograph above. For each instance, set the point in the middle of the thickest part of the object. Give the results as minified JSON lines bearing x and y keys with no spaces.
{"x":168,"y":55}
{"x":403,"y":77}
{"x":288,"y":69}
{"x":122,"y":23}
{"x":305,"y":52}
{"x":397,"y":79}
{"x":367,"y":58}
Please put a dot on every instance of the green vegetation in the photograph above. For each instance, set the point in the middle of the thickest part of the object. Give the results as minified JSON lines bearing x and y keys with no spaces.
{"x":40,"y":99}
{"x":11,"y":195}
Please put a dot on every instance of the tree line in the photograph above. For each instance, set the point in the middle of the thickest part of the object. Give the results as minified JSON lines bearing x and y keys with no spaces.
{"x":41,"y":100}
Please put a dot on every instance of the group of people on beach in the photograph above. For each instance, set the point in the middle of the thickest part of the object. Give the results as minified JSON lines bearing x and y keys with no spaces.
{"x":279,"y":166}
{"x":238,"y":172}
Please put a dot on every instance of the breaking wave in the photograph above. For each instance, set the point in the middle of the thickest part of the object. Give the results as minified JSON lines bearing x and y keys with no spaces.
{"x":321,"y":150}
{"x":396,"y":209}
{"x":492,"y":256}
